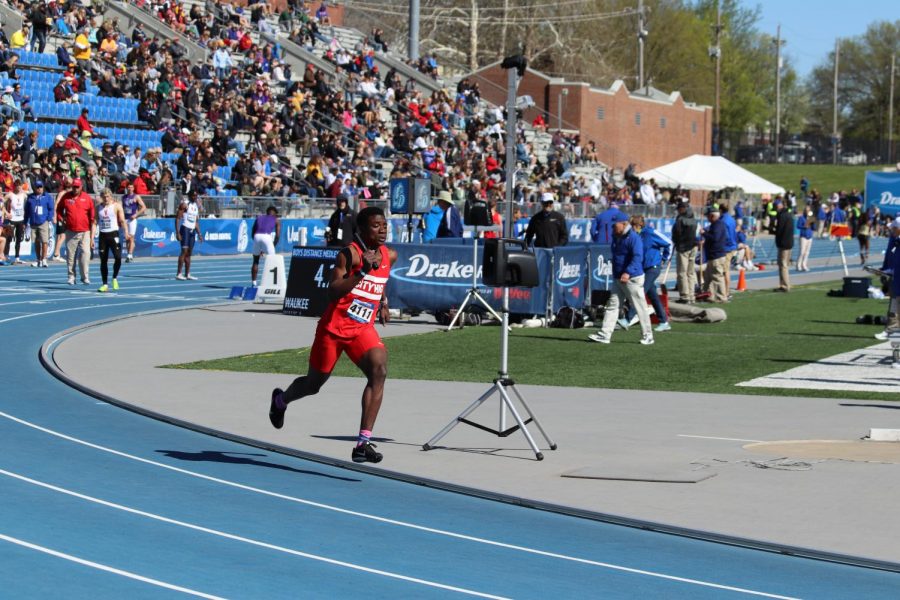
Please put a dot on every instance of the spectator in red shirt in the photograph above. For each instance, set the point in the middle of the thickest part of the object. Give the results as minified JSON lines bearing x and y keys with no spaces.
{"x":83,"y":124}
{"x":78,"y":208}
{"x":143,"y":183}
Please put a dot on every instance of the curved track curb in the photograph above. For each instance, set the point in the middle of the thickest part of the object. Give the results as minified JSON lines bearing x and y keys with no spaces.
{"x":46,"y":357}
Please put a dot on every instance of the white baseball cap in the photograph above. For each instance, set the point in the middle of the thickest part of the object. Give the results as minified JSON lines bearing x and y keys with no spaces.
{"x":547,"y":197}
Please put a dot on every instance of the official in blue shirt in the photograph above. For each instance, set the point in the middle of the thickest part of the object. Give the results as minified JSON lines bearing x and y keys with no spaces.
{"x":891,"y":265}
{"x":657,"y":250}
{"x":805,"y":228}
{"x":731,"y":244}
{"x":451,"y":224}
{"x":821,"y":217}
{"x":38,"y":216}
{"x":628,"y":273}
{"x":601,"y":226}
{"x":431,"y":222}
{"x":714,"y":240}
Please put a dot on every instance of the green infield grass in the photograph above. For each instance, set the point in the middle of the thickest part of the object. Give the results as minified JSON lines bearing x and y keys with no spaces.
{"x":825,"y":178}
{"x":765,"y":333}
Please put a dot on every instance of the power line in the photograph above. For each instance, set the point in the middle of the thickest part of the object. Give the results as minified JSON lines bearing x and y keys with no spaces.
{"x":563,"y":19}
{"x":401,"y":6}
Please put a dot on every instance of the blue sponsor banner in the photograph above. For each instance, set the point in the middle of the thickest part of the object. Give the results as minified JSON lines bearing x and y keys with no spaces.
{"x":156,"y":237}
{"x":437,"y":277}
{"x":600,"y":266}
{"x":883,"y":191}
{"x":301,"y":232}
{"x":569,"y":276}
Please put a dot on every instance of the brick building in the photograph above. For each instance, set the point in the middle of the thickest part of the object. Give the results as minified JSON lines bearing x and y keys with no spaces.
{"x":647,"y":127}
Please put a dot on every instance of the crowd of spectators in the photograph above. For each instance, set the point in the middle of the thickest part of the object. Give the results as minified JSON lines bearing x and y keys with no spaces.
{"x":284,"y":134}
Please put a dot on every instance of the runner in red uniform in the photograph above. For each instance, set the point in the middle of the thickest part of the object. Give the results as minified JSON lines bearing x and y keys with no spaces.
{"x":357,"y":295}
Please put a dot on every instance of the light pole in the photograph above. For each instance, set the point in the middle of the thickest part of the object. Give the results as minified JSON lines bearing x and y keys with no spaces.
{"x":559,"y":106}
{"x":716,"y":53}
{"x":642,"y":35}
{"x":890,"y":152}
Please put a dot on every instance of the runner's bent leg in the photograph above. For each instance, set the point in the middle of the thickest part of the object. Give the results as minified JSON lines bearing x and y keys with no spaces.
{"x":308,"y":385}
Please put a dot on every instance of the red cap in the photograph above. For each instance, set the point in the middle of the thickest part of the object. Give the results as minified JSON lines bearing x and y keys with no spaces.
{"x":76,"y":181}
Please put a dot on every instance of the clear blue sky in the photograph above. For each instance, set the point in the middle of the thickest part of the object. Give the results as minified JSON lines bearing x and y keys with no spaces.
{"x":811,"y":26}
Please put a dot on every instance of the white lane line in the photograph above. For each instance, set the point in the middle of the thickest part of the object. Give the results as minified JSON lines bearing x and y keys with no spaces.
{"x":108,"y":569}
{"x":707,"y":437}
{"x":252,"y":542}
{"x":106,"y":305}
{"x":345,"y":511}
{"x":122,"y":293}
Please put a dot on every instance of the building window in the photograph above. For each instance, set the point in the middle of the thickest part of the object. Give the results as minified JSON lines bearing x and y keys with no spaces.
{"x":694,"y":127}
{"x":600,"y":113}
{"x":662,"y":122}
{"x":637,"y":118}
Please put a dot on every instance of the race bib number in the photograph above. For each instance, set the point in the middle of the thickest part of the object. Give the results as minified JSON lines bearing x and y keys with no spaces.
{"x":361,"y":311}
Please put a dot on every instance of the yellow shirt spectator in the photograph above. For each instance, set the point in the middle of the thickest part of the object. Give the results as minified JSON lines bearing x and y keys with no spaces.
{"x":18,"y":40}
{"x":82,"y":47}
{"x":109,"y":46}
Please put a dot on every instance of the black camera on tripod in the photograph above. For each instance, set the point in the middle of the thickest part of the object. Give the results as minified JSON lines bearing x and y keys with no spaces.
{"x":508,"y":263}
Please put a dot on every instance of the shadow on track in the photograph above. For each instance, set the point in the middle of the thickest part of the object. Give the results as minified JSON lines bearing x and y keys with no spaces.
{"x":227,"y":457}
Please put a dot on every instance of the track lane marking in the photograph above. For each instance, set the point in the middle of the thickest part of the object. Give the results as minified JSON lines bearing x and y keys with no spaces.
{"x":395,"y":522}
{"x":246,"y":540}
{"x":107,"y":568}
{"x":727,"y":439}
{"x":107,"y":305}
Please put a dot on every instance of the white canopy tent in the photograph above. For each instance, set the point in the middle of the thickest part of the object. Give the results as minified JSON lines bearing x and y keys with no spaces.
{"x":698,"y":172}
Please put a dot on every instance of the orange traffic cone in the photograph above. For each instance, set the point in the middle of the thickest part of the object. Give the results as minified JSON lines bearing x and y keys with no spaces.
{"x":742,"y":281}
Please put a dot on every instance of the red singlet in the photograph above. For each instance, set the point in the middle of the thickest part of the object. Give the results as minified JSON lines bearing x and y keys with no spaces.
{"x":348,"y":323}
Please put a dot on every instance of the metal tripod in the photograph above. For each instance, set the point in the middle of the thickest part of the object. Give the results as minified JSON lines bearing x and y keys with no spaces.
{"x":473,"y":293}
{"x":501,"y":386}
{"x":503,"y":382}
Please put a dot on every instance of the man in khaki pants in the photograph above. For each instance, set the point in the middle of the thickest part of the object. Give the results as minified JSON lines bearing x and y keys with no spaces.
{"x":715,"y":240}
{"x":628,"y":272}
{"x":78,"y":208}
{"x":784,"y":241}
{"x":684,"y":236}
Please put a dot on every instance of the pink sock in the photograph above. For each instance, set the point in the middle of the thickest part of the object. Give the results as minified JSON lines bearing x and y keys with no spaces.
{"x":364,"y":436}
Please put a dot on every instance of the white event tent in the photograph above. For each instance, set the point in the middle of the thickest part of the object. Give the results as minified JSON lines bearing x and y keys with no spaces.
{"x":698,"y":172}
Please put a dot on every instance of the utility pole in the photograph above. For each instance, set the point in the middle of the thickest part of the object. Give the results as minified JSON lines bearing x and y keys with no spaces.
{"x":503,"y":26}
{"x":473,"y":37}
{"x":778,"y":44}
{"x":414,"y":29}
{"x":559,"y":105}
{"x":641,"y":35}
{"x":890,"y":152}
{"x":716,"y":51}
{"x":834,"y":117}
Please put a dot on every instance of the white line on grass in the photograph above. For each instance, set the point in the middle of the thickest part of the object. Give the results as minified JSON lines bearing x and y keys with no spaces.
{"x":108,"y":569}
{"x":706,"y":437}
{"x":390,"y":521}
{"x":252,"y":542}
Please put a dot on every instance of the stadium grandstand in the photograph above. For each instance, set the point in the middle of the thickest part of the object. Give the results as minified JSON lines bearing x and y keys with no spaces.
{"x":260,"y":106}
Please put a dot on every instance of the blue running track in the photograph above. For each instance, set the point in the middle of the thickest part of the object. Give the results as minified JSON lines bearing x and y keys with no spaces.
{"x":99,"y":502}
